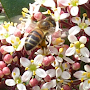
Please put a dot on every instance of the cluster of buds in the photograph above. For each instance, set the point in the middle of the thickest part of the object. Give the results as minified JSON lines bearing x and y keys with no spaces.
{"x":57,"y":63}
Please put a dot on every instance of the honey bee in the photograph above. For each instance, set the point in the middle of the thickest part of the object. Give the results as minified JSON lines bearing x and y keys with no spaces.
{"x":36,"y":36}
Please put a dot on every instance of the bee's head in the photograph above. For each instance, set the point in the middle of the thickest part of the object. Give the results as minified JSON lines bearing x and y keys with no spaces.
{"x":51,"y":21}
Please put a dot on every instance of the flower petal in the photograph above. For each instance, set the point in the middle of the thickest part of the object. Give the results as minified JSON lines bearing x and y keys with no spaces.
{"x":36,"y":88}
{"x":26,"y":76}
{"x":74,"y":30}
{"x":41,"y":73}
{"x":83,"y":39}
{"x":87,"y":31}
{"x":68,"y":60}
{"x":9,"y":49}
{"x":78,"y":74}
{"x":15,"y":72}
{"x":38,"y":59}
{"x":84,"y":51}
{"x":64,"y":15}
{"x":87,"y":68}
{"x":82,"y":2}
{"x":86,"y":85}
{"x":85,"y":59}
{"x":10,"y":82}
{"x":58,"y":72}
{"x":70,"y":51}
{"x":76,"y":20}
{"x":21,"y":87}
{"x":25,"y":62}
{"x":72,"y":38}
{"x":74,"y":11}
{"x":51,"y":72}
{"x":65,"y":75}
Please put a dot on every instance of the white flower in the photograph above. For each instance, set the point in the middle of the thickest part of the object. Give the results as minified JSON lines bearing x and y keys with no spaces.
{"x":82,"y":75}
{"x":77,"y":47}
{"x":32,"y":66}
{"x":17,"y":79}
{"x":73,"y":4}
{"x":46,"y":86}
{"x":82,"y":25}
{"x":17,"y":44}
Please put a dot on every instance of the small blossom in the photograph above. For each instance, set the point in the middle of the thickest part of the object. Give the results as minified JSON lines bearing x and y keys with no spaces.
{"x":16,"y":80}
{"x":82,"y":25}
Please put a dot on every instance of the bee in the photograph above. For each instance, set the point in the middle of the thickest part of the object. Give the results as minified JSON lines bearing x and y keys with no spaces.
{"x":39,"y":33}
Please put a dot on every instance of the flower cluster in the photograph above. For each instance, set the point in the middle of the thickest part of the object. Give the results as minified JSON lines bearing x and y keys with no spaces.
{"x":57,"y":62}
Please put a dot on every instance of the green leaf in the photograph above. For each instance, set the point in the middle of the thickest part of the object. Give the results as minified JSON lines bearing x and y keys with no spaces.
{"x":14,"y":7}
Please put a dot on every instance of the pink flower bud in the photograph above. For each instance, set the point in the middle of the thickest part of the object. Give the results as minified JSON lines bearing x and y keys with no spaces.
{"x":2,"y":49}
{"x":2,"y":65}
{"x":17,"y":33}
{"x":38,"y":16}
{"x":46,"y":61}
{"x":8,"y":58}
{"x":3,"y":41}
{"x":6,"y":71}
{"x":33,"y":82}
{"x":1,"y":74}
{"x":51,"y":58}
{"x":66,"y":87}
{"x":47,"y":78}
{"x":76,"y":66}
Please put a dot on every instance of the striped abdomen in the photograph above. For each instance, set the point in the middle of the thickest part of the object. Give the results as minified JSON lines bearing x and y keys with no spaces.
{"x":33,"y":39}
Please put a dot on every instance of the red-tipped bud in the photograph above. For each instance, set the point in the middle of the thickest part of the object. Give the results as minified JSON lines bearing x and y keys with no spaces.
{"x":1,"y":74}
{"x":76,"y":66}
{"x":2,"y":65}
{"x":66,"y":87}
{"x":38,"y":16}
{"x":47,"y":78}
{"x":33,"y":82}
{"x":8,"y":58}
{"x":6,"y":71}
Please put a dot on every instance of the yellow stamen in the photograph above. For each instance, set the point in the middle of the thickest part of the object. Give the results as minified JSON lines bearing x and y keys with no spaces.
{"x":76,"y":43}
{"x":61,"y":81}
{"x":89,"y":81}
{"x":14,"y":73}
{"x":15,"y":24}
{"x":23,"y":13}
{"x":32,"y":61}
{"x":61,"y":50}
{"x":69,"y":84}
{"x":5,"y":22}
{"x":71,"y":45}
{"x":84,"y":15}
{"x":58,"y":40}
{"x":88,"y":75}
{"x":26,"y":68}
{"x":82,"y":45}
{"x":55,"y":9}
{"x":77,"y":18}
{"x":89,"y":19}
{"x":65,"y":65}
{"x":56,"y":67}
{"x":84,"y":73}
{"x":17,"y":39}
{"x":71,"y":81}
{"x":34,"y":73}
{"x":49,"y":12}
{"x":14,"y":46}
{"x":21,"y":18}
{"x":44,"y":89}
{"x":77,"y":51}
{"x":40,"y":65}
{"x":69,"y":3}
{"x":12,"y":41}
{"x":25,"y":10}
{"x":19,"y":42}
{"x":62,"y":89}
{"x":11,"y":23}
{"x":82,"y":79}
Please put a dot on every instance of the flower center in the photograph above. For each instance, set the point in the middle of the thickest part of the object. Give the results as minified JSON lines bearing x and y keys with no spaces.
{"x":32,"y":67}
{"x":74,"y":2}
{"x":83,"y":25}
{"x":18,"y":80}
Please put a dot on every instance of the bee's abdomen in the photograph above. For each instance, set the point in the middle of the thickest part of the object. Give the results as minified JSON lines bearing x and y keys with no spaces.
{"x":33,"y":39}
